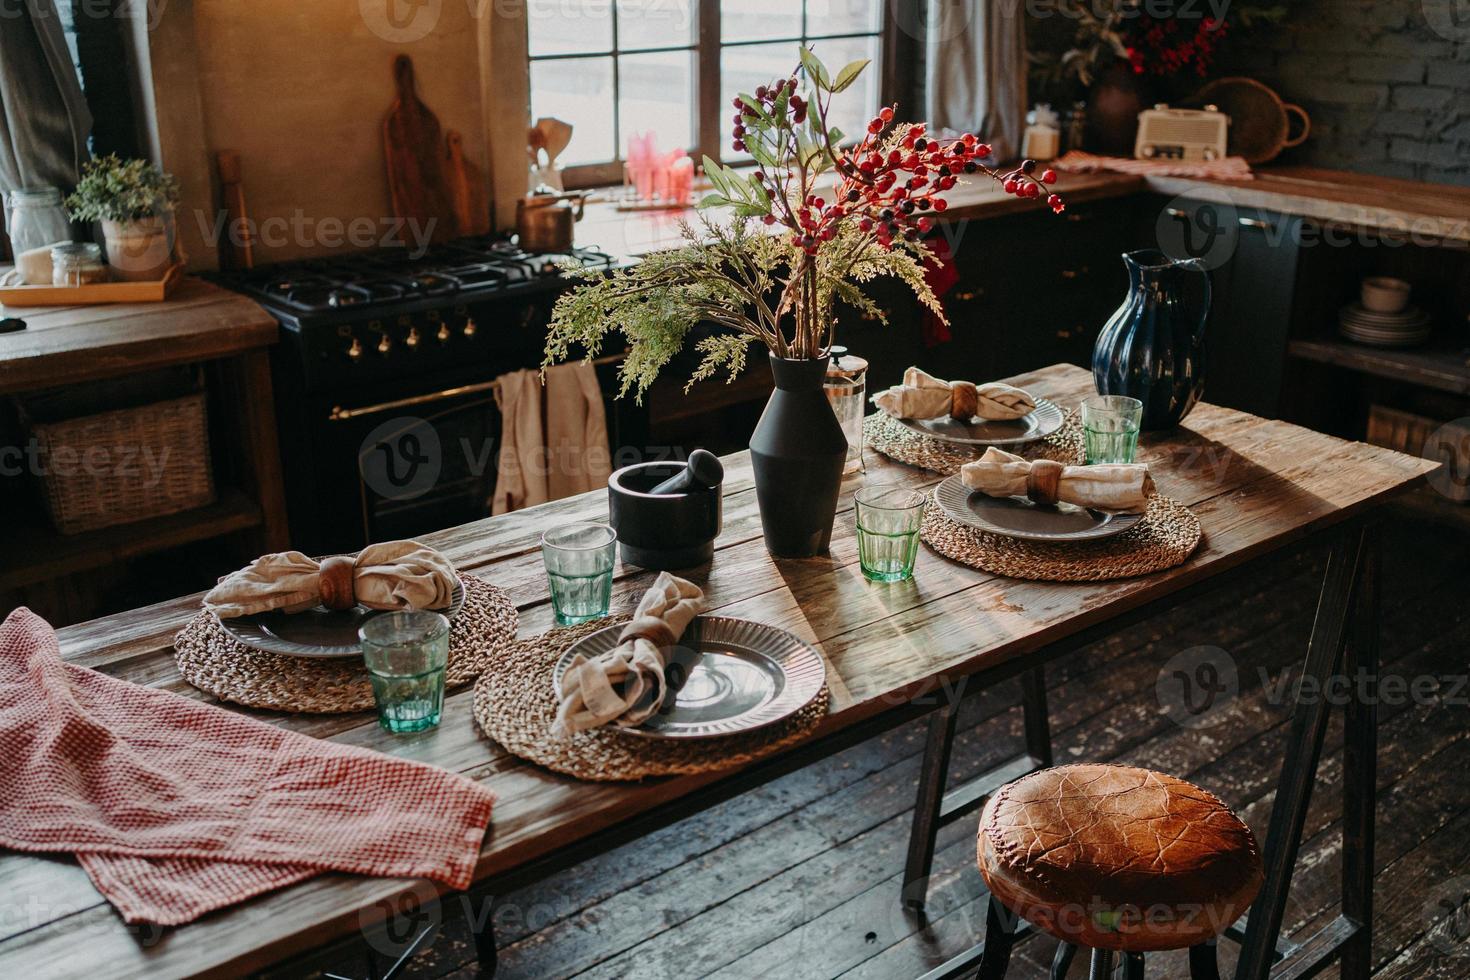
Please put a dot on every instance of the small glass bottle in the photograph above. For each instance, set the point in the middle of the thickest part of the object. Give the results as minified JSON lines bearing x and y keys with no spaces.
{"x":846,"y":388}
{"x":35,"y":222}
{"x":77,"y":264}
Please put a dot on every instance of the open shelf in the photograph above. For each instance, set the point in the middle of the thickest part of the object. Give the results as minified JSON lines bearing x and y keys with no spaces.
{"x":1440,"y":368}
{"x":41,"y":553}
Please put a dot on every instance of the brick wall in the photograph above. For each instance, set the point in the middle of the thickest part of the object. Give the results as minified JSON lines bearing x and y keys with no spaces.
{"x":1387,"y":83}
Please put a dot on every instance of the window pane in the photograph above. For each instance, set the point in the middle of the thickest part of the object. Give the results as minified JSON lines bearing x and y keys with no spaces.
{"x":843,"y":17}
{"x":759,"y":20}
{"x":742,"y":69}
{"x":655,"y":23}
{"x":578,"y":91}
{"x":851,"y":110}
{"x":568,"y":26}
{"x":657,"y":93}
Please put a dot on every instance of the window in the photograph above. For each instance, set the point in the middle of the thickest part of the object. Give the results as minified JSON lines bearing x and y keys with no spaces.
{"x":619,"y":68}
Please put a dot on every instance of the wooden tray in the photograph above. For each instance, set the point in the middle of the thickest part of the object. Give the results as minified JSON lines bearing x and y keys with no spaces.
{"x":149,"y":291}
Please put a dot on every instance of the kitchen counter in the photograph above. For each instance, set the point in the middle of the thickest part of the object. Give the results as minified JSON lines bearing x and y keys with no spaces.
{"x":1430,"y":212}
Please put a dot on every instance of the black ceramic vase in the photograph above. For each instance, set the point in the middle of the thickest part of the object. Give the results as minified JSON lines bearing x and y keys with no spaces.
{"x":797,"y":451}
{"x":1153,"y":346}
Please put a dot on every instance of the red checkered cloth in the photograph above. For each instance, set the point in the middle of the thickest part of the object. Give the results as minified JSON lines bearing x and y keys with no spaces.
{"x":176,"y":808}
{"x":1226,"y":168}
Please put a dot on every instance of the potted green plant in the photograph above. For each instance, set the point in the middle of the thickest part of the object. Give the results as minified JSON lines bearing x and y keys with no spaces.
{"x":797,"y":233}
{"x":134,"y":200}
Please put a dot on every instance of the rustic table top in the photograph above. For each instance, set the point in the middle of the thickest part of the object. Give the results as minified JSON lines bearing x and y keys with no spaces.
{"x":71,"y":344}
{"x":1256,"y":485}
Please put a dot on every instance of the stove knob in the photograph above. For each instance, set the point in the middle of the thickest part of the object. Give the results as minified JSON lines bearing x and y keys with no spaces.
{"x":354,"y":349}
{"x":443,"y":334}
{"x":385,"y":344}
{"x":469,"y":327}
{"x":412,"y":340}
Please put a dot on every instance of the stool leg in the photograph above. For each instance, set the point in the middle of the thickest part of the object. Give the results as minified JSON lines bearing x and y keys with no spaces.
{"x":1102,"y":965}
{"x":1062,"y":961}
{"x":1132,"y":966}
{"x":942,"y":724}
{"x":1202,"y":965}
{"x":1000,"y":935}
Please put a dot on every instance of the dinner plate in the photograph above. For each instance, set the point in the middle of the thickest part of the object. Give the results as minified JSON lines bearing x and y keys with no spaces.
{"x":319,"y":633}
{"x":1017,"y":517}
{"x":1042,"y":421}
{"x":724,"y":677}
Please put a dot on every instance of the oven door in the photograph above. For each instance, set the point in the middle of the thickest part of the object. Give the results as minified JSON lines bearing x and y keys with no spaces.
{"x":417,"y":464}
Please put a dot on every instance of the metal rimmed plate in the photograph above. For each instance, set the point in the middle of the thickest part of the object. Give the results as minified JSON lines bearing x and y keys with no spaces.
{"x":1017,"y":517}
{"x":1045,"y":419}
{"x":320,"y":633}
{"x":726,"y":676}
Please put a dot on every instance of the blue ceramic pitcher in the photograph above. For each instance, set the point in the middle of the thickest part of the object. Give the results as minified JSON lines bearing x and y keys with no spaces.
{"x":1153,"y":346}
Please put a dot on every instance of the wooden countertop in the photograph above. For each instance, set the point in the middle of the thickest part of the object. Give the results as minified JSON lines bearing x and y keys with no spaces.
{"x":70,"y":344}
{"x":1431,"y":212}
{"x":1271,"y":484}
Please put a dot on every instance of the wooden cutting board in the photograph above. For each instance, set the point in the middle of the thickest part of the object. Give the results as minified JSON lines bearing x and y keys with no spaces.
{"x":414,"y":148}
{"x":466,"y":189}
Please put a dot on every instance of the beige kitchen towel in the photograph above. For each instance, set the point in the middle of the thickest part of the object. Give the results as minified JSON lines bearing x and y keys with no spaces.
{"x":626,"y":684}
{"x":390,"y":575}
{"x":923,"y":396}
{"x":576,"y":431}
{"x":1116,"y":488}
{"x":520,"y":477}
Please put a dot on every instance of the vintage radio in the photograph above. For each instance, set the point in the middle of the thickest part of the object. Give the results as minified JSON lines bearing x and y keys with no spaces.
{"x":1182,"y":135}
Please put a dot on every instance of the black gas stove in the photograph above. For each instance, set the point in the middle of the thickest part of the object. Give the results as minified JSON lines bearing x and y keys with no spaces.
{"x":388,"y":358}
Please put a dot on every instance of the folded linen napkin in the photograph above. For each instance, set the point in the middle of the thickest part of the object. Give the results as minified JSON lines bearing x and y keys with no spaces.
{"x":1115,"y":488}
{"x":390,"y":575}
{"x":923,"y":396}
{"x":176,"y":808}
{"x":626,"y":684}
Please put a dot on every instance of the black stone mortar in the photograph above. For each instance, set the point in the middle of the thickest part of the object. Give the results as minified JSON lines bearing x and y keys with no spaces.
{"x":662,"y":531}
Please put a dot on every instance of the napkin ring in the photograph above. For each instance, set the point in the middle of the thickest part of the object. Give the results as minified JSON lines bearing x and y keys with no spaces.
{"x":1044,"y":481}
{"x":652,"y":629}
{"x":335,"y":579}
{"x":964,"y":400}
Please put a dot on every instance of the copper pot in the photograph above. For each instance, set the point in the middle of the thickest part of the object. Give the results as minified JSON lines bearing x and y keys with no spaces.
{"x":545,"y":222}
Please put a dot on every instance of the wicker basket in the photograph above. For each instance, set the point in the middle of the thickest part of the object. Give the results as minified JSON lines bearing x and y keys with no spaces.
{"x":126,"y":464}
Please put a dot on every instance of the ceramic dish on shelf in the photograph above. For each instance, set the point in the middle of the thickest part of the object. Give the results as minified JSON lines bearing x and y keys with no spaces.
{"x":1017,"y":517}
{"x":1042,"y":421}
{"x":319,"y":633}
{"x":724,"y":677}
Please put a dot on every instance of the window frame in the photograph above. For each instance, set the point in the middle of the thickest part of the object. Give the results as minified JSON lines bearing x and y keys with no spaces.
{"x":897,"y":66}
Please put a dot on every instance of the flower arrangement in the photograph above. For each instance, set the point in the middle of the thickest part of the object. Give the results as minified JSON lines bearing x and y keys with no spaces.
{"x":112,"y":189}
{"x":1149,"y":42}
{"x":808,"y":225}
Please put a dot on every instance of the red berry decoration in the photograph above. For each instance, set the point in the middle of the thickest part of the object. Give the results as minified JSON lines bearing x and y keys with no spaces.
{"x":1049,"y":177}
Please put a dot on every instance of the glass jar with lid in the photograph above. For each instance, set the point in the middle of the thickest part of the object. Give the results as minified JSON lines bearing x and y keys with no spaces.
{"x":35,"y":221}
{"x":846,"y":389}
{"x":77,"y":264}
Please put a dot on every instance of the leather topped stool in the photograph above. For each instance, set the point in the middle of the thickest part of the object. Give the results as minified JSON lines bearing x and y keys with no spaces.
{"x":1117,"y":860}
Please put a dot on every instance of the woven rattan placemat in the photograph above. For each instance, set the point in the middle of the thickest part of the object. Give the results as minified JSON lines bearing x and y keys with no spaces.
{"x":213,"y":661}
{"x":1167,"y":535}
{"x":515,"y":704}
{"x":898,"y":442}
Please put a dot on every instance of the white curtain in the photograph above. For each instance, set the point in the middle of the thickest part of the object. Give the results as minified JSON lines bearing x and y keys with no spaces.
{"x":975,"y":57}
{"x":44,"y":122}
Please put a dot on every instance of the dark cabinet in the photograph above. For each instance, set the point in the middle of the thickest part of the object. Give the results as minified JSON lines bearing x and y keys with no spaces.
{"x":1252,"y":256}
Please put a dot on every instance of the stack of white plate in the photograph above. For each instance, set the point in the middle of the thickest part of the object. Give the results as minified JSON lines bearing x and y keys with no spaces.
{"x":1402,"y":329}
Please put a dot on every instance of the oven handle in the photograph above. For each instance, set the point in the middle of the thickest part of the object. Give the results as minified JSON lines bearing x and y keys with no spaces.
{"x":340,"y":414}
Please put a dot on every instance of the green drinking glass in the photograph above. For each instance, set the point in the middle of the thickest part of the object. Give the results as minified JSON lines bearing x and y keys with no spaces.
{"x":888,"y":520}
{"x":579,"y":566}
{"x":1110,"y":428}
{"x":405,"y":654}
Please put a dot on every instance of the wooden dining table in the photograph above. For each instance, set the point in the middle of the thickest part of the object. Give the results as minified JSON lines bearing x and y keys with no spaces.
{"x":893,"y":653}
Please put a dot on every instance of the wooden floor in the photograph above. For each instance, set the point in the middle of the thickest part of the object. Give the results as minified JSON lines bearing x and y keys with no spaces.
{"x":800,"y":879}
